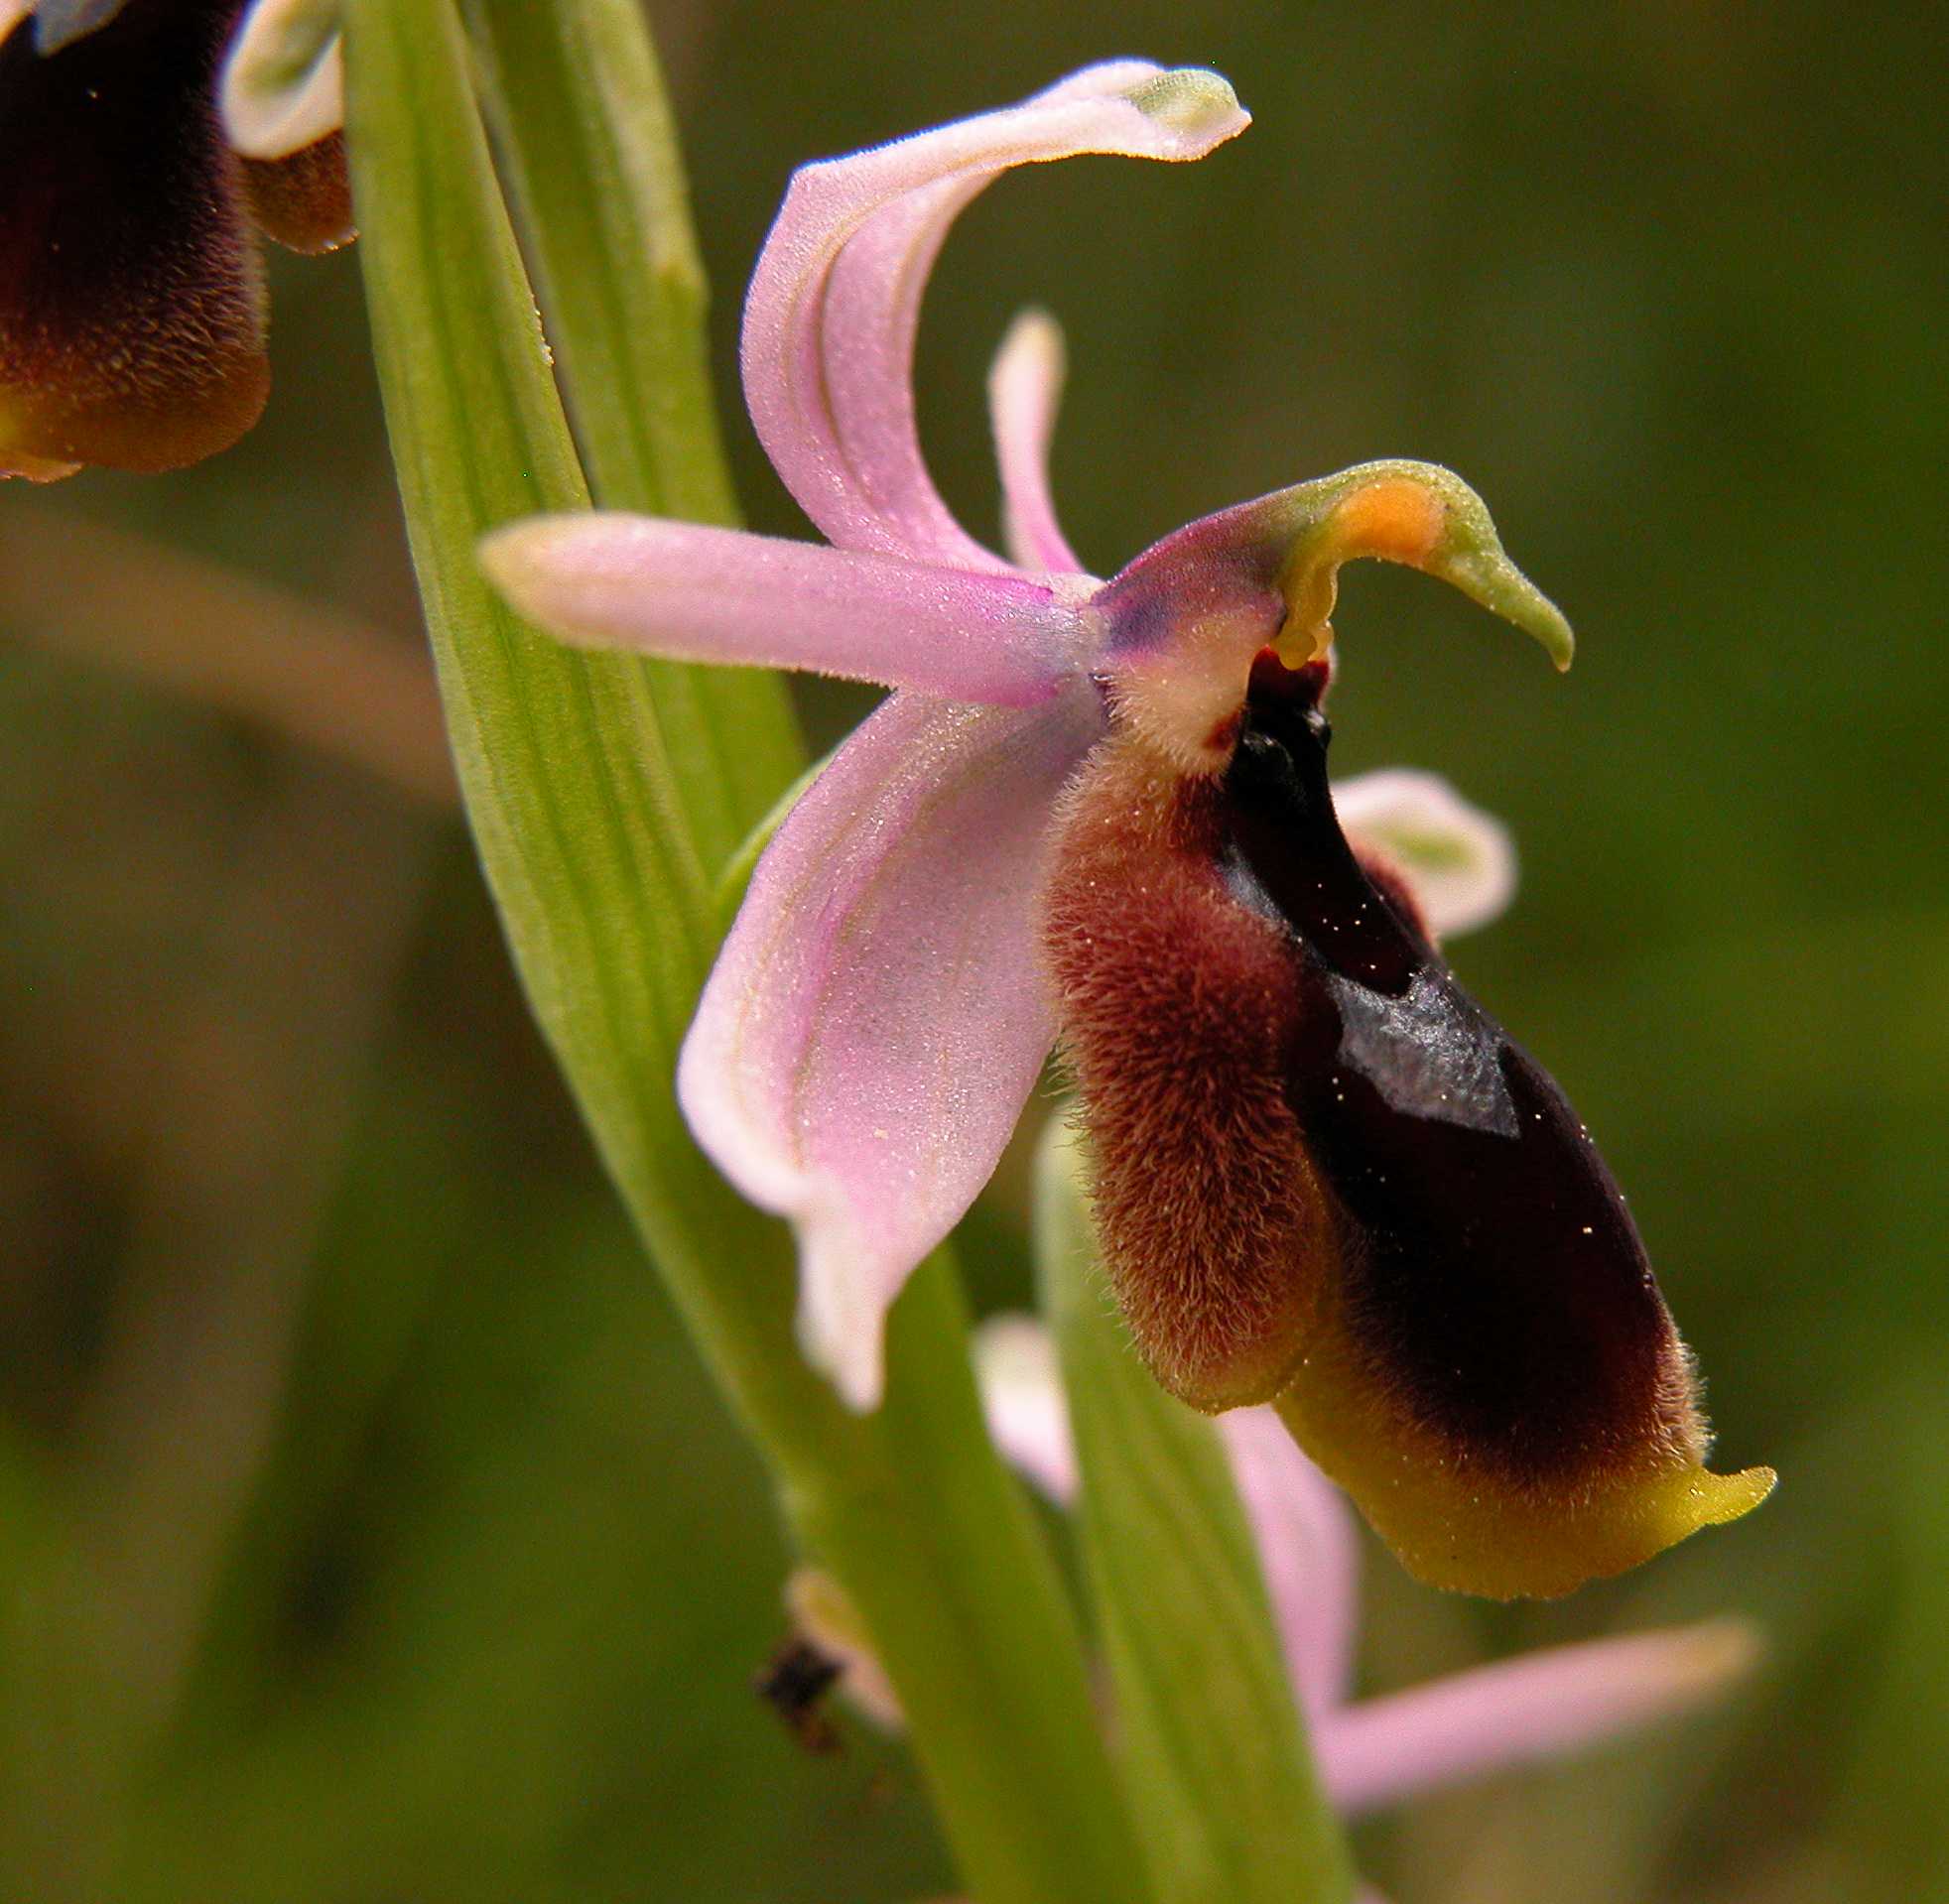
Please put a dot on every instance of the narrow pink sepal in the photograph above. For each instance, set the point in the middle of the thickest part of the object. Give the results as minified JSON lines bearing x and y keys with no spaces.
{"x":695,"y":594}
{"x":1023,"y":1400}
{"x":877,"y":1017}
{"x":1518,"y":1711}
{"x":1308,"y":1550}
{"x":835,"y":301}
{"x":1459,"y":860}
{"x":1025,"y":387}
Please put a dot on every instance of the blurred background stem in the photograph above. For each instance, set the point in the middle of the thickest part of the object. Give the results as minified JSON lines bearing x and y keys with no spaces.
{"x":582,"y":777}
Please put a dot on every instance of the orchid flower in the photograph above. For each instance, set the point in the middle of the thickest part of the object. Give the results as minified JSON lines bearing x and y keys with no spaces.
{"x":1098,"y":811}
{"x":142,"y":146}
{"x":1371,"y":1752}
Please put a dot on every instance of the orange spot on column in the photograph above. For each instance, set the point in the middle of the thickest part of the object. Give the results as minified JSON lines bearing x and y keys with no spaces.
{"x":1393,"y":520}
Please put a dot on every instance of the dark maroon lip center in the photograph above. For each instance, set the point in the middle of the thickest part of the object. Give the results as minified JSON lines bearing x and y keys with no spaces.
{"x":1498,"y":1272}
{"x":1287,"y":838}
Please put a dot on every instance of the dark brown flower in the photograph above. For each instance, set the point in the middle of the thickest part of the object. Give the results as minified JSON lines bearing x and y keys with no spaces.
{"x":1327,"y":1179}
{"x":132,"y":306}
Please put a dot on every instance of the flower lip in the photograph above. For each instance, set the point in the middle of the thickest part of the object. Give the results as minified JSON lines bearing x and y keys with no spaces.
{"x":1425,"y":1119}
{"x":131,"y":296}
{"x":1435,"y":1275}
{"x":1292,"y":856}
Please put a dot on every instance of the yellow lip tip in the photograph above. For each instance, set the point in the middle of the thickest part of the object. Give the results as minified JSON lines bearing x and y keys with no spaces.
{"x":1561,"y":643}
{"x":1729,"y":1496}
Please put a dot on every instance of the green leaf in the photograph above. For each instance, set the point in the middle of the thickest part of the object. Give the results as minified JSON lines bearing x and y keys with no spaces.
{"x":577,"y":104}
{"x":584,"y":826}
{"x":561,"y":756}
{"x":1214,"y":1758}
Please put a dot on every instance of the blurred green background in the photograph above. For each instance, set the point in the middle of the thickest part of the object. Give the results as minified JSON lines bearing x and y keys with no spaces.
{"x":367,"y":1531}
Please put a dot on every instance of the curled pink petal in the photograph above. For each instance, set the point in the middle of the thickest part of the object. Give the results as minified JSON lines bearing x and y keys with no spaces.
{"x":1022,"y":1397}
{"x":1521,"y":1710}
{"x":1308,"y":1550}
{"x":877,"y":1016}
{"x":1459,"y":860}
{"x":835,"y":301}
{"x":693,"y":593}
{"x":1024,"y":388}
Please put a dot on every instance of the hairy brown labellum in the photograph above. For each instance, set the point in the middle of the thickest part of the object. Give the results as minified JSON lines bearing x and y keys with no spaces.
{"x":131,"y":290}
{"x":1325,"y":1176}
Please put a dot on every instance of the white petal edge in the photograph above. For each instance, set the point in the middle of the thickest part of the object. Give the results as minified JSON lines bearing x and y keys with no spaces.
{"x":284,"y":80}
{"x":1460,"y":860}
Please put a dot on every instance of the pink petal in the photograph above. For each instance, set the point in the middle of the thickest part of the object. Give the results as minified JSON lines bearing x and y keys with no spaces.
{"x":1022,"y":1397}
{"x":877,"y":1016}
{"x":1024,"y":388}
{"x":835,"y":301}
{"x":1459,"y":860}
{"x":1308,"y":1550}
{"x":1521,"y":1710}
{"x":693,"y":593}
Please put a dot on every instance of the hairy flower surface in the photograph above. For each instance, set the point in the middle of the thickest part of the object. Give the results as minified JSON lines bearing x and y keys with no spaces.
{"x":1099,"y":810}
{"x":144,"y":144}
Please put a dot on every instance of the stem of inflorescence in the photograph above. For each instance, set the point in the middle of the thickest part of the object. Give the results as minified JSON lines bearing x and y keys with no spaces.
{"x":583,"y":777}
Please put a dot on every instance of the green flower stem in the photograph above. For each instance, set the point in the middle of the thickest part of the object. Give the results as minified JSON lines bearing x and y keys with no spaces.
{"x":577,"y":104}
{"x":589,"y":836}
{"x":1212,"y":1750}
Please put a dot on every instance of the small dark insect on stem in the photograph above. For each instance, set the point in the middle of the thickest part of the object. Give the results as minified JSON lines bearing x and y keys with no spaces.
{"x":793,"y":1682}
